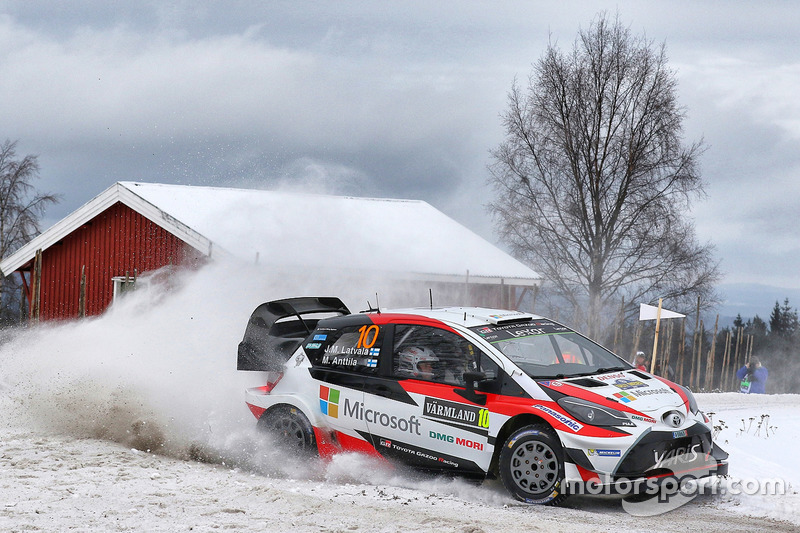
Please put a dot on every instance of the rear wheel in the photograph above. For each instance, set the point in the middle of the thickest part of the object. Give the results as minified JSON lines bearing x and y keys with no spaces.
{"x":289,"y":429}
{"x":532,"y":465}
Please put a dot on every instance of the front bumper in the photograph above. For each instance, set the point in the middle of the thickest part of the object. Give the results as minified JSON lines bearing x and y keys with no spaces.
{"x":656,"y":458}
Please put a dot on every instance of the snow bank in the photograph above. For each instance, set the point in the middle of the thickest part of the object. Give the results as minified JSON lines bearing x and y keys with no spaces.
{"x":760,"y":432}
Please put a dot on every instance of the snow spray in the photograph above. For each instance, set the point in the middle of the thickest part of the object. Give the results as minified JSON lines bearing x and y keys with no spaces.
{"x":157,"y":371}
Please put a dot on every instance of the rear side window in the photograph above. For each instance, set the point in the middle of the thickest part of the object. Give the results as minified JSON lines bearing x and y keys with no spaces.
{"x":353,"y":348}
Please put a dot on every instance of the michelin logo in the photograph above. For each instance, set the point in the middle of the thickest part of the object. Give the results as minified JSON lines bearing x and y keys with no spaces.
{"x":570,"y":423}
{"x":594,"y":452}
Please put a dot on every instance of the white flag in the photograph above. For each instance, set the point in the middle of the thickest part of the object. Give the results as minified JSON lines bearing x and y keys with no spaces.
{"x":649,"y":312}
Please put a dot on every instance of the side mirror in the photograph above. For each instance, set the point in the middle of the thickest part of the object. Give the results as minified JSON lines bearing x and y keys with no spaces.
{"x":470,"y":378}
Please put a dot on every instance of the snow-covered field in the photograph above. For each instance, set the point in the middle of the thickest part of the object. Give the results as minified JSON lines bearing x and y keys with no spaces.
{"x":136,"y":421}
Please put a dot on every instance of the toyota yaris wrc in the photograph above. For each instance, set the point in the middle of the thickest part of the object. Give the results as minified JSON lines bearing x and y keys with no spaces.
{"x":478,"y":392}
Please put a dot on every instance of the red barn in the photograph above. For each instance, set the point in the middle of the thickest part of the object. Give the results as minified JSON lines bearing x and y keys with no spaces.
{"x":74,"y":268}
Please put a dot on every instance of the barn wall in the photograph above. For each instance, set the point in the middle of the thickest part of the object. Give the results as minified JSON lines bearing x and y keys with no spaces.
{"x":115,"y":242}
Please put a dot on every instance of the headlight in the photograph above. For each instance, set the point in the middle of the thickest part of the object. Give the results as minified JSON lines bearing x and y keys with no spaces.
{"x":692,"y":401}
{"x":591,"y":413}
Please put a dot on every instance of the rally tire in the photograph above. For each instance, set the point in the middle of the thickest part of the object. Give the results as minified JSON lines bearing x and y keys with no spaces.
{"x":289,"y":429}
{"x":532,"y":465}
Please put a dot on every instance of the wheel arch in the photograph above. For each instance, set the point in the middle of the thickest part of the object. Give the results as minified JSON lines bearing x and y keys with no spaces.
{"x":512,"y":425}
{"x":296,"y":404}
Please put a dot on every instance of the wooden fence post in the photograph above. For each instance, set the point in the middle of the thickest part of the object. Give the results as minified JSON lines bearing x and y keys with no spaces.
{"x":36,"y":286}
{"x":696,"y":358}
{"x":654,"y":355}
{"x":82,"y":295}
{"x":726,"y":361}
{"x":735,"y":365}
{"x":709,"y":384}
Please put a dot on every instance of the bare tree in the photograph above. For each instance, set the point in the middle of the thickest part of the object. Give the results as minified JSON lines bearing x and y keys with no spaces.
{"x":593,"y":180}
{"x":21,"y":204}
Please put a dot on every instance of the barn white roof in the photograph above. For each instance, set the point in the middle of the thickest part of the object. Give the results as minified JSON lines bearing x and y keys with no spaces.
{"x":287,"y":229}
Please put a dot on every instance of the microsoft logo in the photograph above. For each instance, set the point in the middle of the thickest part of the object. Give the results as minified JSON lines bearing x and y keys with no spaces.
{"x":329,"y":401}
{"x":624,"y":396}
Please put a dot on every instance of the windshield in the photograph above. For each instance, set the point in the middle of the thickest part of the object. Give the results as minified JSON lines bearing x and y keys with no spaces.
{"x":546,"y":350}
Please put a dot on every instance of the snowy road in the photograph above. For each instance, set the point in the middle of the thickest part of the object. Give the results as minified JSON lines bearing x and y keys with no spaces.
{"x":61,"y":482}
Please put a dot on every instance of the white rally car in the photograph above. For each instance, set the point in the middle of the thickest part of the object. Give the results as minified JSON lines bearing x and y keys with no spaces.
{"x":474,"y":391}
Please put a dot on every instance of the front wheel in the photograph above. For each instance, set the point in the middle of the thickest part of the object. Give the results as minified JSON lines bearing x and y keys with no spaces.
{"x":289,"y":429}
{"x":532,"y":465}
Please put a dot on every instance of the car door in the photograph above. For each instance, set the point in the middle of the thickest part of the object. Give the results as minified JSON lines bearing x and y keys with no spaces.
{"x":344,"y":359}
{"x":425,"y":418}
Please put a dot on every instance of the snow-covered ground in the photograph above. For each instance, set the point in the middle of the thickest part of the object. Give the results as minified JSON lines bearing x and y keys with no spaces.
{"x":136,"y":421}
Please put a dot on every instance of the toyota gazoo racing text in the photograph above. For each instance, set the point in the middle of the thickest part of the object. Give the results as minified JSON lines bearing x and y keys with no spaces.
{"x":478,"y":392}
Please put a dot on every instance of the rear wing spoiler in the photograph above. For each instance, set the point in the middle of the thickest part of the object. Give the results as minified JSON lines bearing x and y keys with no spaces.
{"x":277,"y":328}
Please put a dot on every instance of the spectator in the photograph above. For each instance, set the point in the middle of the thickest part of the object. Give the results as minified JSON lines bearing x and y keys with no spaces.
{"x":641,"y":361}
{"x":753,"y":377}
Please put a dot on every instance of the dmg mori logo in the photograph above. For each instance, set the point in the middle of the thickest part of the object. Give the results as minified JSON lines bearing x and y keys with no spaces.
{"x":673,"y":419}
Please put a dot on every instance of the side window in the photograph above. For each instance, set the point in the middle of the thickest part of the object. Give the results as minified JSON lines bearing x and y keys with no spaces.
{"x":433,"y":354}
{"x":353,"y":348}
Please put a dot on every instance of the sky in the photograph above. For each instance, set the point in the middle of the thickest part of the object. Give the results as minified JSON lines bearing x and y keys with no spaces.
{"x":386,"y":99}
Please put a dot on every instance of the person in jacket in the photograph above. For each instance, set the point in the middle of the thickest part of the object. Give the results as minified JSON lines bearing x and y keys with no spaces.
{"x":753,"y":377}
{"x":641,"y":361}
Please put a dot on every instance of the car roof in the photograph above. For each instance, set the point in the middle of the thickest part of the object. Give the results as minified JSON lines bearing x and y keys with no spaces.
{"x":467,"y":316}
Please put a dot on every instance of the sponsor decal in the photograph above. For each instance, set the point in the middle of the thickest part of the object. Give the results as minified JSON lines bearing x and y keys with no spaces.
{"x":676,"y":457}
{"x":527,"y":332}
{"x":650,"y":392}
{"x":513,"y":331}
{"x":564,"y":419}
{"x":336,"y":350}
{"x":313,"y":346}
{"x":606,"y":377}
{"x":457,"y":440}
{"x":506,"y":315}
{"x":421,"y":453}
{"x":387,"y":443}
{"x":320,"y":337}
{"x":358,"y":411}
{"x":679,"y":434}
{"x":299,"y":359}
{"x":642,"y":418}
{"x":626,"y":384}
{"x":550,"y":383}
{"x":339,"y":361}
{"x":329,"y":401}
{"x":594,"y":452}
{"x":624,"y":397}
{"x":456,"y":412}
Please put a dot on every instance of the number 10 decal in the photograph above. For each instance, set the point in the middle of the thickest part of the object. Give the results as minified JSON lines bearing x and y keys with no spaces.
{"x":368,"y":336}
